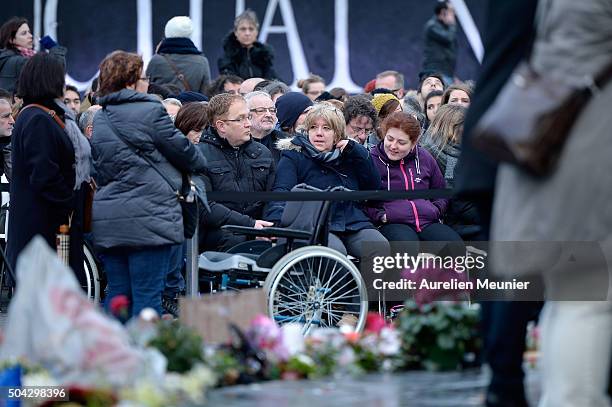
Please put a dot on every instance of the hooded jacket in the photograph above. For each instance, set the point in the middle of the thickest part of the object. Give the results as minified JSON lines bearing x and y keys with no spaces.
{"x":353,"y":169}
{"x":134,"y":206}
{"x":418,"y":170}
{"x":248,"y":168}
{"x":12,"y":62}
{"x":179,"y":56}
{"x":254,"y":62}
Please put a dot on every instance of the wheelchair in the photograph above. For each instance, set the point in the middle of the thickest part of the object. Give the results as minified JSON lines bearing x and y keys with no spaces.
{"x":305,"y":282}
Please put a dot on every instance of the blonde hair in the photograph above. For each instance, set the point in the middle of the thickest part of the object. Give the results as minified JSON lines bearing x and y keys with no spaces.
{"x":447,"y":126}
{"x":332,"y":115}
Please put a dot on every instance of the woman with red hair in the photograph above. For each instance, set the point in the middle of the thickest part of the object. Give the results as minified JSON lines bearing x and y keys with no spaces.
{"x":404,"y":165}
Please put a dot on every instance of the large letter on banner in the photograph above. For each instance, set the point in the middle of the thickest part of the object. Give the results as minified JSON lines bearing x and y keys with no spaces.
{"x":342,"y":72}
{"x":299,"y":65}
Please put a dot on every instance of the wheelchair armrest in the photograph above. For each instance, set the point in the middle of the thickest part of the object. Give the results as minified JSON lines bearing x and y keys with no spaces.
{"x":268,"y":232}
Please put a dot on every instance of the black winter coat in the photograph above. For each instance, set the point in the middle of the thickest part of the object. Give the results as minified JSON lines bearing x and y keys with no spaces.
{"x":271,"y":141}
{"x":440,"y":47}
{"x":42,"y":185}
{"x":247,"y":168}
{"x":255,"y":62}
{"x":134,"y":206}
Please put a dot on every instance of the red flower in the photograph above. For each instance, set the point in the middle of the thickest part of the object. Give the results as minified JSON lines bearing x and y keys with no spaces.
{"x":119,"y":305}
{"x":374,"y":322}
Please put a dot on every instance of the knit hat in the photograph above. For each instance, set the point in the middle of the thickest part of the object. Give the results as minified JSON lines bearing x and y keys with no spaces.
{"x":289,"y":107}
{"x":178,"y":27}
{"x":369,"y":87}
{"x":190,"y":96}
{"x":380,"y":99}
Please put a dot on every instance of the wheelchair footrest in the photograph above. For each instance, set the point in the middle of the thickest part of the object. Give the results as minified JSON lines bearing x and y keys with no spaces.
{"x":220,"y":261}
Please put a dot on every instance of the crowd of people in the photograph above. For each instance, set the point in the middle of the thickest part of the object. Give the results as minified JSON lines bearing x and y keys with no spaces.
{"x":137,"y":133}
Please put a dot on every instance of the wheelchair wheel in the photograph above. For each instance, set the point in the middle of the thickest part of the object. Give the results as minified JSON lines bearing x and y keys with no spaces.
{"x":91,"y":281}
{"x":317,"y":287}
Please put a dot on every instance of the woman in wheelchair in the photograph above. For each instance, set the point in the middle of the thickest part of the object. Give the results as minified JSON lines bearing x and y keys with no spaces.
{"x":325,"y":158}
{"x":404,"y":165}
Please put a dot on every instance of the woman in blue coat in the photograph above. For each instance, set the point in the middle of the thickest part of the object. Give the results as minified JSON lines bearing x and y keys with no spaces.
{"x":324,"y":158}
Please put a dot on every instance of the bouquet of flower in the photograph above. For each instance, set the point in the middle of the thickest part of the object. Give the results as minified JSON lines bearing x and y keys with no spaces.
{"x":439,"y":336}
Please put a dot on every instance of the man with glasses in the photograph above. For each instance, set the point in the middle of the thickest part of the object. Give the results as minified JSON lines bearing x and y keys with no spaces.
{"x":263,"y":121}
{"x":361,"y":120}
{"x":392,"y":80}
{"x":235,"y":163}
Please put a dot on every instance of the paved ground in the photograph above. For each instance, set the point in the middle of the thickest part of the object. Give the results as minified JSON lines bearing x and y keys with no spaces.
{"x":418,"y":389}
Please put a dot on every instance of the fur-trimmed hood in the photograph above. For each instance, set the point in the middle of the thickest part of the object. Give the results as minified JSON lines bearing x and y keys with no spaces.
{"x":287,"y":144}
{"x":261,"y":54}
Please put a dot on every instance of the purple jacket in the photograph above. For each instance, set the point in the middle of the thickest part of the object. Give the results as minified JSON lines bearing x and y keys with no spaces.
{"x":418,"y":170}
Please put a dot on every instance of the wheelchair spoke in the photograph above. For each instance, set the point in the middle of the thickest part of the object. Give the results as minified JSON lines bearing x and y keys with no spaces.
{"x":343,"y":294}
{"x":290,"y":289}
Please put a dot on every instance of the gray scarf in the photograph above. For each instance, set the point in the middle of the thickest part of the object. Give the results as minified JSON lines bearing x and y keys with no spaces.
{"x":82,"y":149}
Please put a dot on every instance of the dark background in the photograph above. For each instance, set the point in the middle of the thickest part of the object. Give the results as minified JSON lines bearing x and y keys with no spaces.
{"x":383,"y":34}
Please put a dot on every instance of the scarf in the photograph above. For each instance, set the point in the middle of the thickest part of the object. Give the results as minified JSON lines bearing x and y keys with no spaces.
{"x":307,"y":148}
{"x":26,"y":52}
{"x":447,"y":159}
{"x":82,"y":148}
{"x":178,"y":46}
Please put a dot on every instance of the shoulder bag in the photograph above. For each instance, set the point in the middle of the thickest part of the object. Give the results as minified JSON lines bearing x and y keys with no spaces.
{"x":186,"y":194}
{"x":177,"y":72}
{"x":531,"y":119}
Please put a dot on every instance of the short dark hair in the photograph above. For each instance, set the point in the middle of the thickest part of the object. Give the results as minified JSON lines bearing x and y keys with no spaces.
{"x":118,"y":70}
{"x":440,"y":5}
{"x":192,"y":116}
{"x":74,"y":89}
{"x":424,"y":75}
{"x":9,"y":30}
{"x":42,"y":78}
{"x":359,"y":106}
{"x":218,"y":85}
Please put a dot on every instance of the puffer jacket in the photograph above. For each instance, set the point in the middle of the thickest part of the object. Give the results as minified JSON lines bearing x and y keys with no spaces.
{"x":248,"y":168}
{"x":255,"y":62}
{"x":353,"y":170}
{"x":188,"y":61}
{"x":12,"y":62}
{"x":134,"y":206}
{"x":418,"y":170}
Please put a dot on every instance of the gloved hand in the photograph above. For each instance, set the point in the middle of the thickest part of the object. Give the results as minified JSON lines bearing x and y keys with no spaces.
{"x":47,"y":42}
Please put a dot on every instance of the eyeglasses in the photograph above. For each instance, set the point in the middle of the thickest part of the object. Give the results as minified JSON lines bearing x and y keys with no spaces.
{"x":358,"y":130}
{"x":241,"y":119}
{"x":262,"y":110}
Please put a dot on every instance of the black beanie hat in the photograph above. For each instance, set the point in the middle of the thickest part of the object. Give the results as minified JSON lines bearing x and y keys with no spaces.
{"x":190,"y":96}
{"x":289,"y":107}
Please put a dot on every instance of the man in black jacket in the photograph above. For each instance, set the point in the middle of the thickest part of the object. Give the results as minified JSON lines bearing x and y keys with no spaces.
{"x":440,"y":48}
{"x":235,"y":163}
